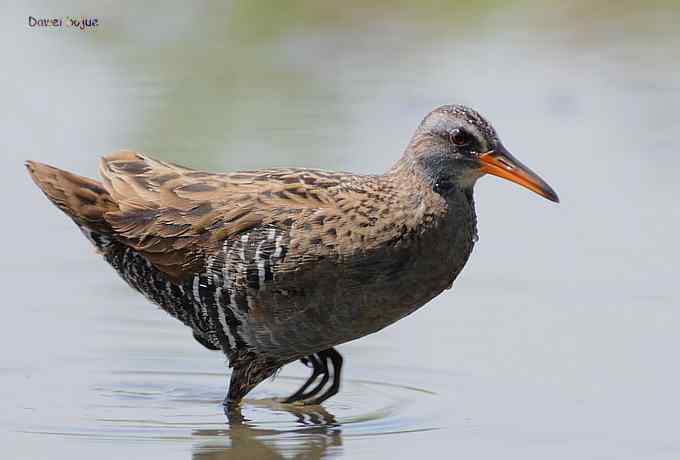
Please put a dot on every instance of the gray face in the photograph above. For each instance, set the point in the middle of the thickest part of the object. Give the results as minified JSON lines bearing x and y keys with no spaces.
{"x":454,"y":146}
{"x":462,"y":130}
{"x":449,"y":142}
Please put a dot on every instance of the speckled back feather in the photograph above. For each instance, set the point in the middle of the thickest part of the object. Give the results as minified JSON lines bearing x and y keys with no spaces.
{"x":177,"y":216}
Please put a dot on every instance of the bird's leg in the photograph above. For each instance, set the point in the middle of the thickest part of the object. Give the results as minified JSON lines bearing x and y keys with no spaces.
{"x":310,"y":361}
{"x":244,"y":378}
{"x":326,"y":357}
{"x":336,"y":359}
{"x":325,"y":375}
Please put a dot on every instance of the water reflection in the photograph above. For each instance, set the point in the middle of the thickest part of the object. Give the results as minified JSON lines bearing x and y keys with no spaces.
{"x":317,"y":433}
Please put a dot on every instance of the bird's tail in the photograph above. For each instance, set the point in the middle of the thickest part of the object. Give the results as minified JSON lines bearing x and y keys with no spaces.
{"x":84,"y":200}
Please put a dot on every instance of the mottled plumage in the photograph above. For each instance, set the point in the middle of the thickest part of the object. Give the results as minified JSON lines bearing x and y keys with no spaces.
{"x":276,"y":265}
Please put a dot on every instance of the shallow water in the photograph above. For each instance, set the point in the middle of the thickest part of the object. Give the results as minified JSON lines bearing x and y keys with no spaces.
{"x":558,"y":340}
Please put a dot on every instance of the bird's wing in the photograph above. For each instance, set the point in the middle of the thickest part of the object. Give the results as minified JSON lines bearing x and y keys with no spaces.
{"x":175,"y":215}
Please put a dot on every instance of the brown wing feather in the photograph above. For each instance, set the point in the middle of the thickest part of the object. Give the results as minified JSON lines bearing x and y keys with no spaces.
{"x":178,"y":217}
{"x":175,"y":215}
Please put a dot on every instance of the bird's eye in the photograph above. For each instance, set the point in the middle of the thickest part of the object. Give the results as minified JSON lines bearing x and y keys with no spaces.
{"x":460,"y":137}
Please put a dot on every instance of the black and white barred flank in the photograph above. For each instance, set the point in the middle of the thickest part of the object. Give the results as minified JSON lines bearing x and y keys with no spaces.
{"x":215,"y":303}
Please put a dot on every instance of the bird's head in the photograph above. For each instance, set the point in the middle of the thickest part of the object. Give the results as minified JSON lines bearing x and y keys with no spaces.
{"x":454,"y":146}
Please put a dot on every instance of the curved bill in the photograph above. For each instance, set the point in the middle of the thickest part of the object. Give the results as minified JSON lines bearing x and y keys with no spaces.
{"x":501,"y":163}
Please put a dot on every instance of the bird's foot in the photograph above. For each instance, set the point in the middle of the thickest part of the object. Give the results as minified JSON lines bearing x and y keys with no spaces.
{"x":320,"y":367}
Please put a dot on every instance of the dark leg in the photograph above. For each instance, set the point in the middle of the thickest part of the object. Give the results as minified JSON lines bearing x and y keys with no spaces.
{"x":313,"y":362}
{"x":336,"y":359}
{"x":321,"y":367}
{"x":244,"y":378}
{"x":325,"y":375}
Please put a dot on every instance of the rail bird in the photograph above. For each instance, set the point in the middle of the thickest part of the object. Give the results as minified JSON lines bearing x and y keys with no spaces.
{"x":271,"y":266}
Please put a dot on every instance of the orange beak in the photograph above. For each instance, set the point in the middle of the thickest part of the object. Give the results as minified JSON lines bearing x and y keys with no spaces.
{"x":501,"y":163}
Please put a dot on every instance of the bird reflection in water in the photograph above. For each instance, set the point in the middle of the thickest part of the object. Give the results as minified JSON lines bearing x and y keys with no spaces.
{"x":315,"y":434}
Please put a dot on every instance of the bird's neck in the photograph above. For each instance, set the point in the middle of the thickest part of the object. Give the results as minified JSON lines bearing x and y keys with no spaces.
{"x":433,"y":194}
{"x":426,"y":195}
{"x":418,"y":176}
{"x":440,"y":223}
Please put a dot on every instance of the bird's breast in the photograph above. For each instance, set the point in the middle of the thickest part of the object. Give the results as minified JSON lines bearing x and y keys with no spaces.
{"x":313,"y":303}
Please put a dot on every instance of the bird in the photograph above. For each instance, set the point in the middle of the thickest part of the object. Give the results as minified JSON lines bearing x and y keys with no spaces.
{"x":275,"y":266}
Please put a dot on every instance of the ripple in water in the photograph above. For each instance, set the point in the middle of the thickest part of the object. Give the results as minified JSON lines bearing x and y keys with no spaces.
{"x":187,"y":406}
